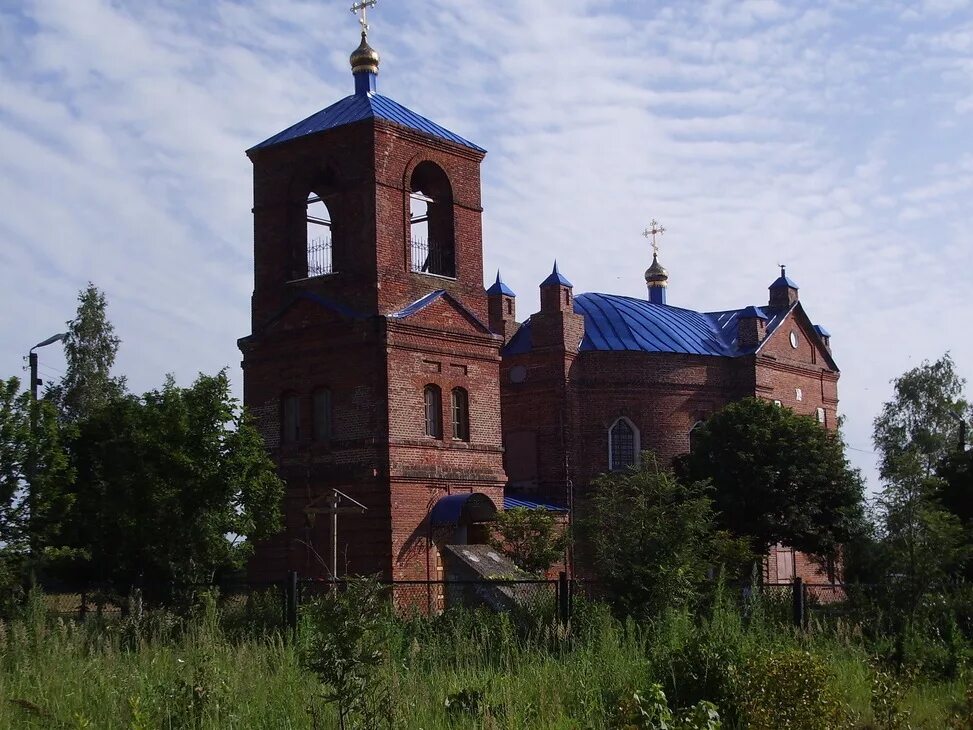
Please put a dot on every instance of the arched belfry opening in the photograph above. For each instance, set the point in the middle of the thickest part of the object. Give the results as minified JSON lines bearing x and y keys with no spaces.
{"x":431,"y":232}
{"x":319,"y":238}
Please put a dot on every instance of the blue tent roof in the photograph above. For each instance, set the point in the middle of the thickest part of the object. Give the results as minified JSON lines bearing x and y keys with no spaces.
{"x":358,"y":107}
{"x":783,"y":281}
{"x":623,"y":323}
{"x":556,"y":279}
{"x":498,"y":287}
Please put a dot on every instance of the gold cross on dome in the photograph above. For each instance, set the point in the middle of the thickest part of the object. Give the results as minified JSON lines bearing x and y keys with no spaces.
{"x":362,"y":7}
{"x":654,"y":229}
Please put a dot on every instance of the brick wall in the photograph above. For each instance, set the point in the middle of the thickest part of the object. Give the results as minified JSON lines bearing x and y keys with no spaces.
{"x":333,"y":331}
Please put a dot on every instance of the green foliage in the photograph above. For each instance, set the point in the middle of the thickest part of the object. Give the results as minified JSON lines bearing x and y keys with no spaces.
{"x":529,"y":537}
{"x":778,"y":477}
{"x":919,"y":425}
{"x":34,"y":480}
{"x":174,"y":485}
{"x":187,"y":672}
{"x":342,"y":645}
{"x":90,"y":349}
{"x":649,"y":710}
{"x":651,"y":537}
{"x":787,"y":690}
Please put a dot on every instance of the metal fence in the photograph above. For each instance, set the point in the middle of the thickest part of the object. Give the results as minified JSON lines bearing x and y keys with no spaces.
{"x":278,"y":603}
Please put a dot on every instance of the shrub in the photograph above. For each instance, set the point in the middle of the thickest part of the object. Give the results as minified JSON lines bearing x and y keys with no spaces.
{"x":786,"y":690}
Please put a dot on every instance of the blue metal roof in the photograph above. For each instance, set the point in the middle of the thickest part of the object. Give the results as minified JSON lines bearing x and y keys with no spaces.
{"x":623,"y":323}
{"x":821,"y":331}
{"x":556,"y":279}
{"x":498,"y":287}
{"x":783,"y":281}
{"x":512,"y":502}
{"x":450,"y":509}
{"x":752,"y":312}
{"x":358,"y":107}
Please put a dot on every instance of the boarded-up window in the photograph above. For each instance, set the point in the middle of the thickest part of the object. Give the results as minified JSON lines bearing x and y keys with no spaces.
{"x":520,"y":457}
{"x":785,"y":564}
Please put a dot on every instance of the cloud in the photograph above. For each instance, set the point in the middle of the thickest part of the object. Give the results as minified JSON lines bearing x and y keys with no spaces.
{"x":758,"y":132}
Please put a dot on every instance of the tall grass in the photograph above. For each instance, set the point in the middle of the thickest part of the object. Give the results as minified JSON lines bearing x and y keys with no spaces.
{"x":465,"y":669}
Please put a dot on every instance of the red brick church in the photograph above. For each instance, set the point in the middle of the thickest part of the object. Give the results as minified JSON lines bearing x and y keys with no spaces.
{"x":390,"y":384}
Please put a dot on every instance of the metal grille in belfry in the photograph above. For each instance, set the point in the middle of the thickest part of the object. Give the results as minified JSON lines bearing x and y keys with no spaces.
{"x":429,"y":257}
{"x":319,"y":256}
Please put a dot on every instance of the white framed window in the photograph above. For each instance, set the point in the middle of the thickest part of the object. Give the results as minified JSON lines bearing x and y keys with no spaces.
{"x":799,"y":394}
{"x":623,"y":444}
{"x":822,"y":416}
{"x":778,"y":403}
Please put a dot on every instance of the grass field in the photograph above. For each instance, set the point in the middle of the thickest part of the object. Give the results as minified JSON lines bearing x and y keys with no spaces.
{"x":463,"y":670}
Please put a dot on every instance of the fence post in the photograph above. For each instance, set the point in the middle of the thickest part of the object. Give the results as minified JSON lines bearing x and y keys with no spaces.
{"x":798,"y":602}
{"x":290,"y":593}
{"x":563,"y":598}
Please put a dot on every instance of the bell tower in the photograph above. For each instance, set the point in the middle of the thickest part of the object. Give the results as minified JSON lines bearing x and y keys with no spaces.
{"x":370,"y":367}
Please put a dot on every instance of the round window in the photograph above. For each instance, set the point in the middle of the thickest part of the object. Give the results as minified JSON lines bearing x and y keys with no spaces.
{"x":518,"y":374}
{"x":794,"y":339}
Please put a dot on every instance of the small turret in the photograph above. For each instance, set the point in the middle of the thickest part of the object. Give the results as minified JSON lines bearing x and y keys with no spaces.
{"x":502,"y":307}
{"x":751,"y":328}
{"x":556,"y":293}
{"x":783,"y":292}
{"x":557,"y":325}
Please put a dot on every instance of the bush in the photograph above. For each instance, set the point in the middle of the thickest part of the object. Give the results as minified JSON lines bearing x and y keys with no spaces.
{"x":786,"y":690}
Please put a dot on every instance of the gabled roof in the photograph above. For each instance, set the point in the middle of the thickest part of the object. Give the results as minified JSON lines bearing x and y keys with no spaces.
{"x":358,"y":107}
{"x":617,"y":323}
{"x":419,"y":304}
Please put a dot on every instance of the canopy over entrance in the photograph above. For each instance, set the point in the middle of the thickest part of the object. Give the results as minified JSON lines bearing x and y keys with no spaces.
{"x":462,"y":509}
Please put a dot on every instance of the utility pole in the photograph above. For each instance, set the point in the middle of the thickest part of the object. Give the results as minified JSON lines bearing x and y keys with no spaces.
{"x":35,"y":383}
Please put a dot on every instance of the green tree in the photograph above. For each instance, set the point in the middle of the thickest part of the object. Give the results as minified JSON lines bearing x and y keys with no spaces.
{"x":652,"y":537}
{"x":955,"y":489}
{"x":921,"y":418}
{"x":90,"y":349}
{"x":34,"y":478}
{"x":174,"y":485}
{"x":529,"y":537}
{"x":778,"y":477}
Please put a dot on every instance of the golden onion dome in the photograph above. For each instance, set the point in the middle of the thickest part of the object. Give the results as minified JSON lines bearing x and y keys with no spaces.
{"x":656,"y":272}
{"x":364,"y":58}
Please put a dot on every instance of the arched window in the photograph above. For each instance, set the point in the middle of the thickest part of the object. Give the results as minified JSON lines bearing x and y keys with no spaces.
{"x":431,"y":221}
{"x":694,"y":435}
{"x":623,"y":444}
{"x":319,"y":260}
{"x":433,"y":406}
{"x":461,"y":414}
{"x":321,"y":415}
{"x":290,"y":416}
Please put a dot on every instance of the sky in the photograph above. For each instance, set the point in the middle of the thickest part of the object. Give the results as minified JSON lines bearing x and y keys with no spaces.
{"x":832,"y":136}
